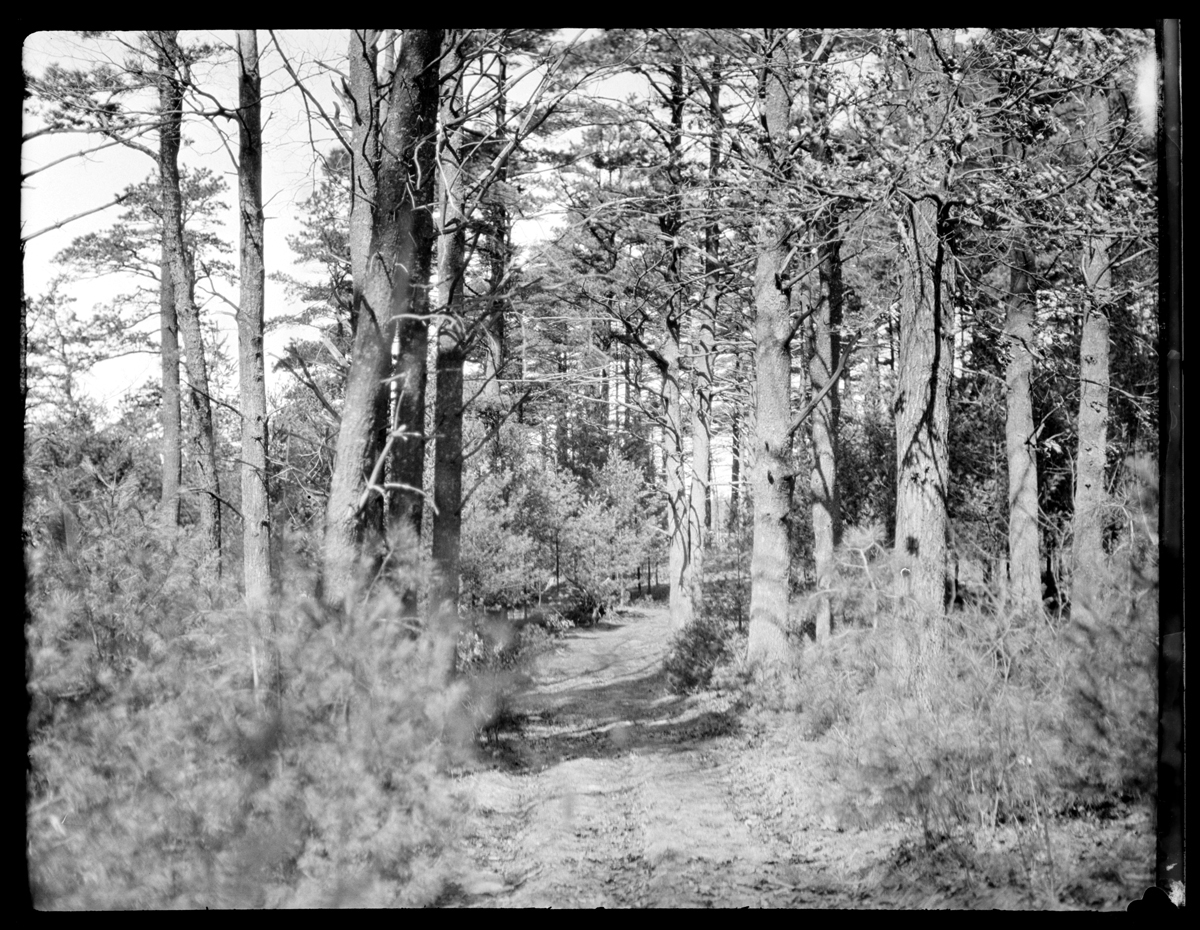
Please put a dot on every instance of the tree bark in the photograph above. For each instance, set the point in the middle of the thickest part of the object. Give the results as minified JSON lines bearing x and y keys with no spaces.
{"x":1091,"y":495}
{"x":354,"y":461}
{"x":498,"y":250}
{"x":388,"y":284}
{"x":670,"y":222}
{"x":678,"y":505}
{"x":1024,"y":553}
{"x":417,"y":72}
{"x":170,"y":90}
{"x":772,"y":478}
{"x":923,"y":369}
{"x":735,"y":446}
{"x":825,"y":349}
{"x":700,"y":512}
{"x":170,"y":414}
{"x":256,"y":533}
{"x":451,"y":348}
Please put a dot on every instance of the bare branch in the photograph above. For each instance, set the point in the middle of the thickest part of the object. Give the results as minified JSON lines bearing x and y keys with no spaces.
{"x":59,"y":161}
{"x":329,"y":121}
{"x":805,"y":413}
{"x":112,"y":203}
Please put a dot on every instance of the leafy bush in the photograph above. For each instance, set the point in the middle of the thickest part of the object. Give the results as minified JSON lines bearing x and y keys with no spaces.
{"x":987,"y":717}
{"x":107,"y":589}
{"x":185,"y":755}
{"x":695,"y":652}
{"x":523,"y":528}
{"x":607,"y":537}
{"x":498,"y":562}
{"x":1003,"y":715}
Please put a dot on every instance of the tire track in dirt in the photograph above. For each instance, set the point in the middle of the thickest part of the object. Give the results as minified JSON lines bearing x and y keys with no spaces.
{"x":616,"y":793}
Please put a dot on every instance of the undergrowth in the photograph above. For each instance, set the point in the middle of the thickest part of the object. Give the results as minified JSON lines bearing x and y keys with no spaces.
{"x":185,"y":752}
{"x":989,"y":719}
{"x":695,"y":652}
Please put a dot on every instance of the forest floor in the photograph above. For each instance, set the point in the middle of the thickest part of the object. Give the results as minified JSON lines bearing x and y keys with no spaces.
{"x":613,"y":792}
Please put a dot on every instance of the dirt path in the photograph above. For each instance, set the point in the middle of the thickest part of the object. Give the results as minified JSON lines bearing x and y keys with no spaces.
{"x":617,"y":793}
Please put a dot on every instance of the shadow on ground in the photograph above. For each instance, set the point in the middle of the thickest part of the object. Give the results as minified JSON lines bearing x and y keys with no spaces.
{"x":614,"y":704}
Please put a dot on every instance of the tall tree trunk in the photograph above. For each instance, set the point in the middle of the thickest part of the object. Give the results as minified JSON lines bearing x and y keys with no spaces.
{"x":705,"y":321}
{"x":735,"y":444}
{"x":1091,"y":494}
{"x":1024,"y":553}
{"x":451,"y":349}
{"x":562,"y":445}
{"x":679,"y":552}
{"x":498,"y":252}
{"x":698,"y":510}
{"x":170,"y":91}
{"x":356,"y":453}
{"x":417,"y":73}
{"x":824,"y":348}
{"x":923,"y":369}
{"x":823,"y":361}
{"x":682,"y":606}
{"x":170,"y":414}
{"x":772,"y":477}
{"x":256,"y":533}
{"x":390,"y":285}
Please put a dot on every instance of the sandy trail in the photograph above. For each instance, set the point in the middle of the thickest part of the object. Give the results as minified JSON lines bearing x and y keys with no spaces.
{"x":617,"y":793}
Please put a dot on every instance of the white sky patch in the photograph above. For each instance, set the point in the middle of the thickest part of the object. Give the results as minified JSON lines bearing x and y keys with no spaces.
{"x":290,"y":173}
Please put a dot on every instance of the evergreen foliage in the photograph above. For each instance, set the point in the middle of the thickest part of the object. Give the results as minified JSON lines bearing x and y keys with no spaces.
{"x":696,"y":651}
{"x":184,"y":755}
{"x":1009,"y":720}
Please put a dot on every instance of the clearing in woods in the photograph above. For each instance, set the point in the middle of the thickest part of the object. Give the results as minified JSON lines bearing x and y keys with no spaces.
{"x":613,"y":792}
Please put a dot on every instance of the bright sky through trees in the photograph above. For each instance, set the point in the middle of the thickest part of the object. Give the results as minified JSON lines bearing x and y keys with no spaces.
{"x":291,"y":167}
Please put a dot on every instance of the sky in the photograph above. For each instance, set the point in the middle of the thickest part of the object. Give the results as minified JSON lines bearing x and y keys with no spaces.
{"x":290,"y":170}
{"x":79,"y":184}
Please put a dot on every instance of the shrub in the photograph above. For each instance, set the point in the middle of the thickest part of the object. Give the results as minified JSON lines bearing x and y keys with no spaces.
{"x":987,"y":717}
{"x":695,"y":652}
{"x":1111,"y":672}
{"x":525,"y":528}
{"x":606,"y":538}
{"x":189,"y":756}
{"x":498,"y":562}
{"x":494,"y":657}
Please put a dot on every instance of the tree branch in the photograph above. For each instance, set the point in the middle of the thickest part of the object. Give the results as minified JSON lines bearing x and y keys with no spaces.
{"x":805,"y":413}
{"x":329,"y":121}
{"x":308,"y":382}
{"x":112,"y":203}
{"x":59,"y":161}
